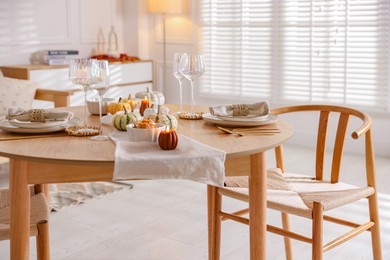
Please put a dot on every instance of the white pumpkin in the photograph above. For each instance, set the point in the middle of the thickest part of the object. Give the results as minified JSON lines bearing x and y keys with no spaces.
{"x":164,"y":119}
{"x":156,"y":97}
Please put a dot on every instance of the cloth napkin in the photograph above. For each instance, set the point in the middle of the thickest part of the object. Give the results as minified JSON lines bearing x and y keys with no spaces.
{"x":38,"y":115}
{"x":256,"y":109}
{"x":191,"y":160}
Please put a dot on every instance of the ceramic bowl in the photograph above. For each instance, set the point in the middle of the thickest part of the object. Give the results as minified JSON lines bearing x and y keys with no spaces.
{"x":144,"y":134}
{"x":93,"y":105}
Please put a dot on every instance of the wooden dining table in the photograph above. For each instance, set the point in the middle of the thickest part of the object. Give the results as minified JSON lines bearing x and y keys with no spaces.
{"x":64,"y":158}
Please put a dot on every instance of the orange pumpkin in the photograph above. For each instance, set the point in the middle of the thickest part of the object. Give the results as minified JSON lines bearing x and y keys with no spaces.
{"x":118,"y":106}
{"x":168,"y":140}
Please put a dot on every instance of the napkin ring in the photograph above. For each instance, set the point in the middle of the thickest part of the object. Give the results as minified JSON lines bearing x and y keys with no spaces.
{"x":240,"y":110}
{"x":37,"y":115}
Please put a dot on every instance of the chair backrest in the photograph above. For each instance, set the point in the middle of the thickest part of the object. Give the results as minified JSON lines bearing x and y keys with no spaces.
{"x":344,"y":114}
{"x":16,"y":93}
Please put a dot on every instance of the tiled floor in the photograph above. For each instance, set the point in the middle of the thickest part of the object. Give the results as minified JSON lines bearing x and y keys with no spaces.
{"x":166,"y":220}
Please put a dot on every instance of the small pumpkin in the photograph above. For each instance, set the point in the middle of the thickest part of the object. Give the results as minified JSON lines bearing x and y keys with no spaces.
{"x":168,"y":140}
{"x":132,"y":102}
{"x":167,"y":119}
{"x":121,"y":120}
{"x":118,"y":106}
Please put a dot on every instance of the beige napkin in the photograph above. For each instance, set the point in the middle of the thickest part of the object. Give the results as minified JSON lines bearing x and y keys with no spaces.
{"x":255,"y":109}
{"x":38,"y":115}
{"x":190,"y":160}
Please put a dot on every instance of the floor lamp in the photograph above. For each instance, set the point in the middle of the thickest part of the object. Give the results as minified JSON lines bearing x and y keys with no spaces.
{"x":166,"y":7}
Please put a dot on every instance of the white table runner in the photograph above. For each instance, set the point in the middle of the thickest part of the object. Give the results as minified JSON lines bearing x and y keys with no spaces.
{"x":191,"y":160}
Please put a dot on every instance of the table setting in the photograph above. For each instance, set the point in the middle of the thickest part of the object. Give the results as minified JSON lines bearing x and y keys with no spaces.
{"x":243,"y":119}
{"x":35,"y":123}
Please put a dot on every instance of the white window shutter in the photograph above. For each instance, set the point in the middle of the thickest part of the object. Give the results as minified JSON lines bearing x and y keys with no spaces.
{"x":323,"y":51}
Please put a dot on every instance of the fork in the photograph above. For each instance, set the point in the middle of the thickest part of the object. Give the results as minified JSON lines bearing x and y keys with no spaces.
{"x":229,"y":131}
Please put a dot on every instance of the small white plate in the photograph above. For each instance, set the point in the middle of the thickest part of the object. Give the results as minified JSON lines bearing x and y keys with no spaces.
{"x":244,"y":118}
{"x":6,"y":126}
{"x":39,"y":125}
{"x":225,"y":122}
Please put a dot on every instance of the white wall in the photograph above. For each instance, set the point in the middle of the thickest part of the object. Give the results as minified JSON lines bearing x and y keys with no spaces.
{"x":33,"y":25}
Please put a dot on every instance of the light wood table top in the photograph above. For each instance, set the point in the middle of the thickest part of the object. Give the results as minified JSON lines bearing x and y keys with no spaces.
{"x":75,"y":159}
{"x":81,"y":150}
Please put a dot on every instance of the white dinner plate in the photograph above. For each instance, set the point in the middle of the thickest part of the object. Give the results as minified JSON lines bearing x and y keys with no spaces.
{"x":244,"y":118}
{"x":225,"y":122}
{"x":6,"y":126}
{"x":39,"y":125}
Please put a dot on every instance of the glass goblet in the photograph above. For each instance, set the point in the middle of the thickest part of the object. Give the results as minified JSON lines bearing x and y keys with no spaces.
{"x":84,"y":73}
{"x":101,"y":89}
{"x":192,"y":67}
{"x":176,"y":73}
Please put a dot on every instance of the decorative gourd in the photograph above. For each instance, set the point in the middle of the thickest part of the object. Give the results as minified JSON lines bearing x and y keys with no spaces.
{"x":121,"y":120}
{"x":118,"y":106}
{"x":157,"y":98}
{"x":168,"y":140}
{"x":132,"y":102}
{"x":167,"y":119}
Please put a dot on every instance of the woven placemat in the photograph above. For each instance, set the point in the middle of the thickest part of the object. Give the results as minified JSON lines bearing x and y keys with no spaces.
{"x":191,"y":116}
{"x":76,"y":130}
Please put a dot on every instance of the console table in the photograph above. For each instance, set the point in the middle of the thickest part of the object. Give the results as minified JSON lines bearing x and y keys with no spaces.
{"x":126,"y":78}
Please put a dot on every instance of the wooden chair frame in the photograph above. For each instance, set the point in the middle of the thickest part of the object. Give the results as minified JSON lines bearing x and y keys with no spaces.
{"x":43,"y":237}
{"x":318,"y":248}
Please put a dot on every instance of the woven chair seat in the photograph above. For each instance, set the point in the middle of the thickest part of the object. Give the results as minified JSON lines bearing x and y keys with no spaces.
{"x":39,"y":212}
{"x":295,"y":194}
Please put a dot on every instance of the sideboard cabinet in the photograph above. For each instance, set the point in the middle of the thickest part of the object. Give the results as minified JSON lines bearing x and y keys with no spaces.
{"x":125,"y":78}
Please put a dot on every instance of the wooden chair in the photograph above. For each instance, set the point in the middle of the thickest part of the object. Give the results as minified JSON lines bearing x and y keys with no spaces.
{"x":306,"y":196}
{"x":21,"y":93}
{"x":39,"y":217}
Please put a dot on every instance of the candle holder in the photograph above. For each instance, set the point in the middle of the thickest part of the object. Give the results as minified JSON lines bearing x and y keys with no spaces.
{"x":145,"y":103}
{"x":168,"y":139}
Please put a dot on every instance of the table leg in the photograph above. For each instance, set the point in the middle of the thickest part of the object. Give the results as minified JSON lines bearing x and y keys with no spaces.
{"x":20,"y":210}
{"x":258,"y":207}
{"x":210,"y":220}
{"x":214,"y":222}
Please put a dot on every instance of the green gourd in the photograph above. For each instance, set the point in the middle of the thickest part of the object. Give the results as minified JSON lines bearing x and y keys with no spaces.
{"x":121,"y":120}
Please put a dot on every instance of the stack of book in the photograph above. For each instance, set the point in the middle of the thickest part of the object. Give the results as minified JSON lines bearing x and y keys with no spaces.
{"x":58,"y":57}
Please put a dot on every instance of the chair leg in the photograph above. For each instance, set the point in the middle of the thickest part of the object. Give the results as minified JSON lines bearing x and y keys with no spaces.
{"x":317,"y":231}
{"x":43,"y":241}
{"x":287,"y":240}
{"x":375,"y":230}
{"x":214,"y":208}
{"x":43,"y":188}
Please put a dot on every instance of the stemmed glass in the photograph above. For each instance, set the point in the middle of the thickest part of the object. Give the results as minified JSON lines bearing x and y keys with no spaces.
{"x":192,"y":67}
{"x":101,"y":89}
{"x":84,"y":73}
{"x":176,"y":73}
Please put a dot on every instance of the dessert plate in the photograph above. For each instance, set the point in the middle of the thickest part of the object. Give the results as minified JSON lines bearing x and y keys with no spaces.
{"x":39,"y":125}
{"x":244,"y":118}
{"x":6,"y":126}
{"x":227,"y":122}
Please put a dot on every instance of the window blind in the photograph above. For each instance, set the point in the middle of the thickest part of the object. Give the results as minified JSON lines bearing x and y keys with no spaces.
{"x":333,"y":51}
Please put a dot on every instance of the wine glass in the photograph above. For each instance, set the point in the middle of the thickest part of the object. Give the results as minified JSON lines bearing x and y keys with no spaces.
{"x":176,"y":73}
{"x":84,"y":73}
{"x":101,"y":88}
{"x":192,"y":67}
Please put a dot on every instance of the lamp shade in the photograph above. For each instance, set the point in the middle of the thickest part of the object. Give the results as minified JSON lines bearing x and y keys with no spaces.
{"x":167,"y":6}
